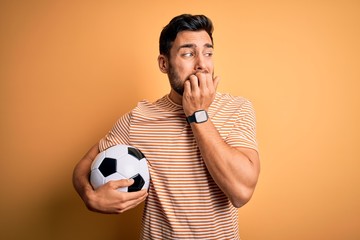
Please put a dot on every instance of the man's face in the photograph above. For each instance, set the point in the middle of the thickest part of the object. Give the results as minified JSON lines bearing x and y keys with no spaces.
{"x":191,"y":53}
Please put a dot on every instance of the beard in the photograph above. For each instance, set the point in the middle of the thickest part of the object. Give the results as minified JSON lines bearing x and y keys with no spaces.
{"x":176,"y":83}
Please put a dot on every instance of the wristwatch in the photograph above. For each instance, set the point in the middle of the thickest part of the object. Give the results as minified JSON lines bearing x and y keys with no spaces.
{"x":198,"y":117}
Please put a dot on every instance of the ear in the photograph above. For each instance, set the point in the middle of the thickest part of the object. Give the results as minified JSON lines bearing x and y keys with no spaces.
{"x":163,"y":62}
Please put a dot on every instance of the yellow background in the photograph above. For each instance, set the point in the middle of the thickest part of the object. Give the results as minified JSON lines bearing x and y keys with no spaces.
{"x":69,"y":69}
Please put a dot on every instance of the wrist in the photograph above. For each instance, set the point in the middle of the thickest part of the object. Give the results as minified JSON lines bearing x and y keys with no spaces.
{"x":88,"y":196}
{"x":199,"y":116}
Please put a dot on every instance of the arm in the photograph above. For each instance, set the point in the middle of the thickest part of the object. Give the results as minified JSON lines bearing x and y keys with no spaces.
{"x":106,"y":199}
{"x":235,"y":170}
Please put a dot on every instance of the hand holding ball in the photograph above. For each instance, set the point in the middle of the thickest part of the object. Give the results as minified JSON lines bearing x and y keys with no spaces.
{"x":120,"y":162}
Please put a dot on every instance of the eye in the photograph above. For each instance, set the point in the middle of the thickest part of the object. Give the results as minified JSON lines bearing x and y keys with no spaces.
{"x":187,"y":54}
{"x":209,"y":54}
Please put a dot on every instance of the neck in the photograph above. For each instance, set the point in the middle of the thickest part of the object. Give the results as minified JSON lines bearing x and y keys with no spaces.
{"x":175,"y":97}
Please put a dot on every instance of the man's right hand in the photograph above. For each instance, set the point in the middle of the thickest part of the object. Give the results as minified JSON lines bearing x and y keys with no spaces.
{"x":107,"y":199}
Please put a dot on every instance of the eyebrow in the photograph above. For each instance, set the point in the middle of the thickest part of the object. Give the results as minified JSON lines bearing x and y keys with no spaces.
{"x":191,"y":45}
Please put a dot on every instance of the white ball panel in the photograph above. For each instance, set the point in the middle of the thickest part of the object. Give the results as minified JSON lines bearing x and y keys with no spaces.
{"x":146,"y":185}
{"x":97,"y":161}
{"x":128,"y":166}
{"x":116,"y":151}
{"x":96,"y":178}
{"x":144,"y":170}
{"x":114,"y":177}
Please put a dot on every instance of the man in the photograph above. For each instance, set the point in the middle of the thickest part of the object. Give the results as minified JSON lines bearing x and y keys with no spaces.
{"x":200,"y":145}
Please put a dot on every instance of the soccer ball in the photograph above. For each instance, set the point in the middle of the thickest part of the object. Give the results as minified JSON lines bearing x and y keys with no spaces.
{"x":120,"y":162}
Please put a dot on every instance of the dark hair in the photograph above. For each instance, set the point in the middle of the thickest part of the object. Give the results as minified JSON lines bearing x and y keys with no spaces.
{"x":184,"y":22}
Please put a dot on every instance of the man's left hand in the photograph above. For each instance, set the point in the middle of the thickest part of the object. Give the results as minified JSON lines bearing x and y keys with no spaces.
{"x":199,"y":92}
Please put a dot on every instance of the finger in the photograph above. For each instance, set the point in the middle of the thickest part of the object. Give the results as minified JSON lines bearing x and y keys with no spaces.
{"x":115,"y":184}
{"x":187,"y":87}
{"x":194,"y":82}
{"x":132,"y":203}
{"x":136,"y":195}
{"x":202,"y":81}
{"x":133,"y":199}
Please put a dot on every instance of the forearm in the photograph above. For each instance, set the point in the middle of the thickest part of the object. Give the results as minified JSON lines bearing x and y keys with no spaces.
{"x":234,"y":170}
{"x":81,"y":173}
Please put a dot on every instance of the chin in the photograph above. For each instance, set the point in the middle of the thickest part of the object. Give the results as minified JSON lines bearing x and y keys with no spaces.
{"x":178,"y":90}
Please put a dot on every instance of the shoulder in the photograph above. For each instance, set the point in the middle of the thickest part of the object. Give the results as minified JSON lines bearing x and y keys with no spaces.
{"x":227,"y":100}
{"x":162,"y":106}
{"x":149,"y":104}
{"x":145,"y":107}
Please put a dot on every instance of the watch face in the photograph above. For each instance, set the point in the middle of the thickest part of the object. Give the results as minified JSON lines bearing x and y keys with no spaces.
{"x":201,"y":116}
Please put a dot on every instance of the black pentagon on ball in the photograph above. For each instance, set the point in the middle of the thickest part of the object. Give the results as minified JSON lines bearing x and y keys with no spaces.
{"x":107,"y":166}
{"x":136,"y":153}
{"x":138,"y":183}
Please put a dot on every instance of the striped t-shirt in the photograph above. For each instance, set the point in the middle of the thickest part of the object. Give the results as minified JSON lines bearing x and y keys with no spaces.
{"x":184,"y":202}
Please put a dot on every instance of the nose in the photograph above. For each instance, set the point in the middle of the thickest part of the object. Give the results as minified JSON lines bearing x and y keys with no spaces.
{"x":200,"y":63}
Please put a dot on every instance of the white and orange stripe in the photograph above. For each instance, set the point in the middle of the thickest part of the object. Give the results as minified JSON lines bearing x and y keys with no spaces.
{"x":184,"y":202}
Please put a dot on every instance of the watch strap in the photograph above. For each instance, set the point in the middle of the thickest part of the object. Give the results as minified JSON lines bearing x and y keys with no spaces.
{"x":191,"y":118}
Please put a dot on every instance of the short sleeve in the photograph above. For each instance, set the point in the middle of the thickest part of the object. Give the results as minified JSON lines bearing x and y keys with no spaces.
{"x":243,"y":133}
{"x":119,"y":134}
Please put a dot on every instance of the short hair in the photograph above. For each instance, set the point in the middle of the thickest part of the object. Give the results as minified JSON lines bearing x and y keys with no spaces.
{"x":184,"y":22}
